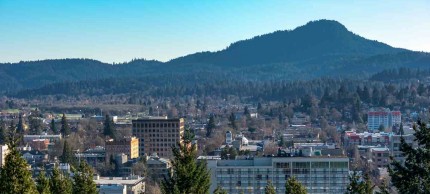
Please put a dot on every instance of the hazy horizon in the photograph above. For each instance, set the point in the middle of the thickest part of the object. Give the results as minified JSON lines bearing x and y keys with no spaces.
{"x":110,"y":31}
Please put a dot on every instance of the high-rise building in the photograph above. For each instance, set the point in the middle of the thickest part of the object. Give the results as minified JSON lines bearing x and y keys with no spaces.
{"x":383,"y":117}
{"x":317,"y":174}
{"x":128,"y":146}
{"x":158,"y":135}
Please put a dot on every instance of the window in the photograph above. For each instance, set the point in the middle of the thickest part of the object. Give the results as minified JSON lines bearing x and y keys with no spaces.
{"x":239,"y":183}
{"x":259,"y":177}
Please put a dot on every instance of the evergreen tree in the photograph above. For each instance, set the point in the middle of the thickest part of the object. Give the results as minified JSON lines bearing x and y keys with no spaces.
{"x":108,"y":127}
{"x":60,"y":183}
{"x":67,"y":155}
{"x":54,"y":127}
{"x":219,"y":190}
{"x":189,"y":175}
{"x":246,"y":112}
{"x":15,"y":176}
{"x":401,"y":130}
{"x":43,"y":184}
{"x":232,"y":120}
{"x":3,"y":132}
{"x":210,"y":126}
{"x":269,"y":188}
{"x":35,"y":125}
{"x":65,"y":129}
{"x":383,"y":188}
{"x":413,"y":176}
{"x":292,"y":186}
{"x":281,"y":142}
{"x":20,"y":126}
{"x":359,"y":184}
{"x":83,"y":180}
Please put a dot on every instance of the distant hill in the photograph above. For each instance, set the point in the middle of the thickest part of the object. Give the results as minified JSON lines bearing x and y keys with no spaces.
{"x":321,"y":48}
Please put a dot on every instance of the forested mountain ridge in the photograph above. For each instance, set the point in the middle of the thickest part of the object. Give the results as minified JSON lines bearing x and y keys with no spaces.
{"x":321,"y":48}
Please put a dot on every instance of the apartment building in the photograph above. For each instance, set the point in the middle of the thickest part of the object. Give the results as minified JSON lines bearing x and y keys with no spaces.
{"x":158,"y":135}
{"x":380,"y":157}
{"x":317,"y":174}
{"x":128,"y":146}
{"x":383,"y":117}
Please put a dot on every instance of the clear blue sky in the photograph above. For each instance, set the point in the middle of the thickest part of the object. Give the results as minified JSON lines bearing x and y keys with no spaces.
{"x":120,"y":30}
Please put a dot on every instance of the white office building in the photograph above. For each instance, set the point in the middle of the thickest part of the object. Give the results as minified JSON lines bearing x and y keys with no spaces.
{"x":318,"y":174}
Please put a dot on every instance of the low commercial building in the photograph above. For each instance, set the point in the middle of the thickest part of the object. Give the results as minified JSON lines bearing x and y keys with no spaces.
{"x":318,"y":174}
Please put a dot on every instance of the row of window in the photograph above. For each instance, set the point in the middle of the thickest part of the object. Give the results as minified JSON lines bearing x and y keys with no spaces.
{"x":155,"y":125}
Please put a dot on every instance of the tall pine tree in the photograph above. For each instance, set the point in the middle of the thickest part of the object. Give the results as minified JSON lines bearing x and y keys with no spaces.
{"x":413,"y":176}
{"x":292,"y":186}
{"x":60,"y":183}
{"x":359,"y":184}
{"x":189,"y":175}
{"x":210,"y":126}
{"x":83,"y":180}
{"x":54,"y":127}
{"x":20,"y":126}
{"x":108,"y":127}
{"x":269,"y":188}
{"x":3,"y":132}
{"x":15,"y":176}
{"x":65,"y":128}
{"x":43,"y":186}
{"x":67,"y":155}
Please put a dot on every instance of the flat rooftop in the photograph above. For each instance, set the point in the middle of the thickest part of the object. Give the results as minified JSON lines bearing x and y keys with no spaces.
{"x":117,"y":181}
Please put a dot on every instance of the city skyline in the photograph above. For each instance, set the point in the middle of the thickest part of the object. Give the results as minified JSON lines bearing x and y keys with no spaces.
{"x":117,"y":32}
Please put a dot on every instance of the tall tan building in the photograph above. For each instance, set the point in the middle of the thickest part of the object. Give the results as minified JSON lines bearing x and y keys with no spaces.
{"x":128,"y":146}
{"x":158,"y":135}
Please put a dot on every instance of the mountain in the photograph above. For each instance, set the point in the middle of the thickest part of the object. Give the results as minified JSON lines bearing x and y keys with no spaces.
{"x":322,"y":48}
{"x":321,"y":40}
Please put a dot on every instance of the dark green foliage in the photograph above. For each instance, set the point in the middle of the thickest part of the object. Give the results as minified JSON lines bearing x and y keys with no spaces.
{"x":42,"y":182}
{"x":54,"y":127}
{"x":65,"y":128}
{"x":219,"y":190}
{"x":401,"y":130}
{"x":210,"y":126}
{"x":413,"y":176}
{"x":15,"y":176}
{"x":35,"y":124}
{"x":228,"y":153}
{"x":246,"y":112}
{"x":60,"y":183}
{"x":381,"y":128}
{"x":83,"y":180}
{"x":3,"y":132}
{"x":359,"y":184}
{"x":292,"y":186}
{"x":67,"y":155}
{"x":383,"y":188}
{"x":232,"y":120}
{"x":281,"y":142}
{"x":20,"y":126}
{"x":108,"y":127}
{"x":269,"y":188}
{"x":189,"y":175}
